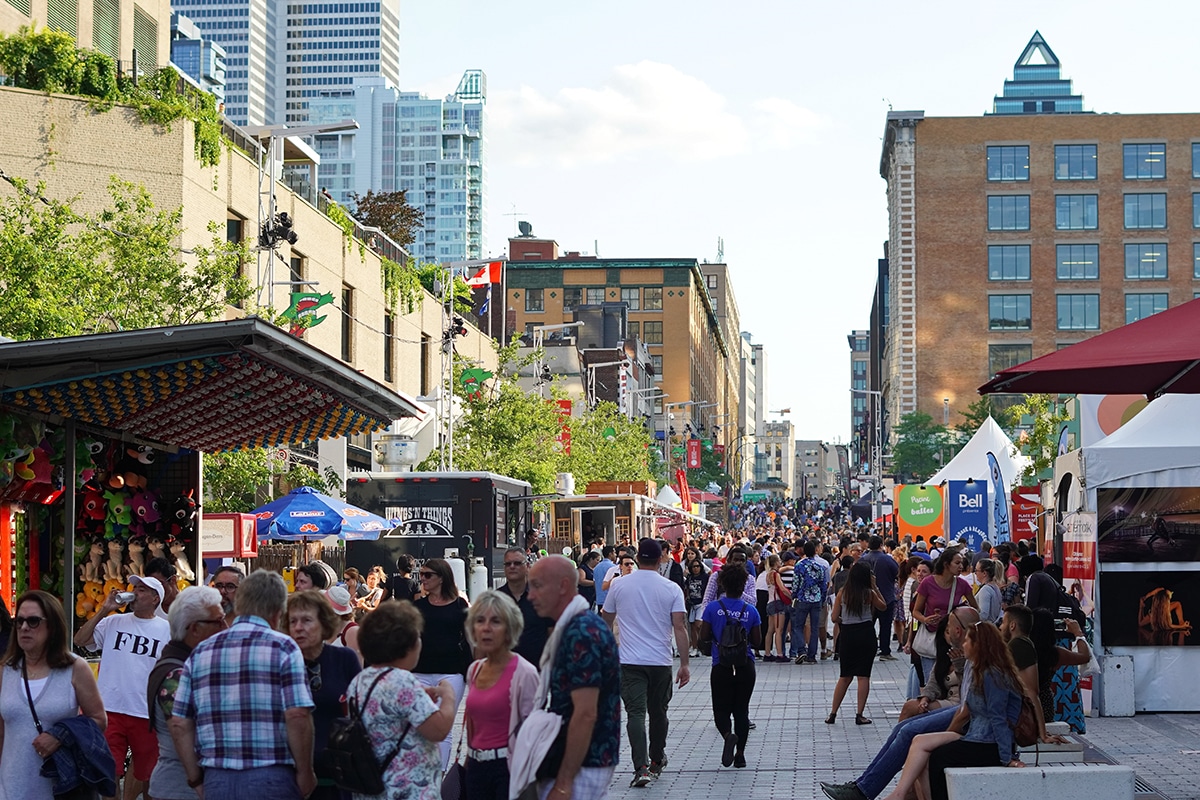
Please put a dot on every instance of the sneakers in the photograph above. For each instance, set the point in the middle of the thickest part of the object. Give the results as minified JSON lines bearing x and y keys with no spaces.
{"x":824,"y":655}
{"x":730,"y":747}
{"x":843,"y":791}
{"x":656,"y":767}
{"x":802,"y":659}
{"x":641,"y":778}
{"x":887,"y":657}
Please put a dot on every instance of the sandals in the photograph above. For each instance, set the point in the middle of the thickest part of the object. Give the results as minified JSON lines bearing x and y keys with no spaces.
{"x":859,"y":719}
{"x":831,"y":719}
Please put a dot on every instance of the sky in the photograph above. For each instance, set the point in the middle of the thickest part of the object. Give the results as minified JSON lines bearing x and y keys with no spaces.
{"x":653,"y":128}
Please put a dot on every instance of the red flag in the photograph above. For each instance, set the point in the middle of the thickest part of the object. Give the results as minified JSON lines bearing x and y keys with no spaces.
{"x":685,"y":493}
{"x":488,"y":274}
{"x":693,"y":454}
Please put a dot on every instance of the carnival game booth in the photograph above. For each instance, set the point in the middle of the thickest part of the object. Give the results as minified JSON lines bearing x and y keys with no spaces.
{"x":101,"y":439}
{"x":1130,"y":504}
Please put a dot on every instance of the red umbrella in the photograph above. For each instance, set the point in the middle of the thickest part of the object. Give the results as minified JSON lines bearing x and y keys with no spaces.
{"x":1152,"y":356}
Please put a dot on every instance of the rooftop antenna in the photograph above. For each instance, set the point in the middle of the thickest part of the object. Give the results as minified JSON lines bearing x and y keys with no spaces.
{"x":596,"y":247}
{"x":514,"y":213}
{"x":720,"y":250}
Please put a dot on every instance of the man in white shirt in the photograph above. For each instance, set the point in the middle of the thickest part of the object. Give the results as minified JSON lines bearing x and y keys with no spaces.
{"x":130,"y":645}
{"x":649,"y":608}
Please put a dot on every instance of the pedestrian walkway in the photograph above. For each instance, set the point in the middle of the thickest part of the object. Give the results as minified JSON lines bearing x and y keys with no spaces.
{"x":792,"y":749}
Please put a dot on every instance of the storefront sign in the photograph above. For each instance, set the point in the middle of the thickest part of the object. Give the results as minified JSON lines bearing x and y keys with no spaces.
{"x":968,"y":512}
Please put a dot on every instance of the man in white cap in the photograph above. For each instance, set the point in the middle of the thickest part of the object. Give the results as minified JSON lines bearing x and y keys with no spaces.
{"x":130,"y":645}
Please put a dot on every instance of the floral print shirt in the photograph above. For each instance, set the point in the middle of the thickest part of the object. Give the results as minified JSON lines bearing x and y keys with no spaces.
{"x":397,"y":707}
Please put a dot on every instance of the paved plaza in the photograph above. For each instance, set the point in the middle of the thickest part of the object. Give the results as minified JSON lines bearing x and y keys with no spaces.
{"x":793,"y":749}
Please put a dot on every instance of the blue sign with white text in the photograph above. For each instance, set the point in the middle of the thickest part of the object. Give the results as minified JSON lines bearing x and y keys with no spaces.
{"x":968,"y":506}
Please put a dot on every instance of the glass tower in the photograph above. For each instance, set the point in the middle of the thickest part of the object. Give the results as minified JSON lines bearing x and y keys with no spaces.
{"x":1036,"y":86}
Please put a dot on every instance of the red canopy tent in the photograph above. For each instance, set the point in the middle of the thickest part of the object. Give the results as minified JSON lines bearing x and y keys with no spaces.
{"x":1152,"y":356}
{"x":700,"y":496}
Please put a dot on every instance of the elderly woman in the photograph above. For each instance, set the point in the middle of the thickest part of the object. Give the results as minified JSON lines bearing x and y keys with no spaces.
{"x":502,"y":691}
{"x":60,"y":686}
{"x":404,"y":724}
{"x":311,"y":623}
{"x":345,"y":629}
{"x":195,"y":615}
{"x":445,"y":653}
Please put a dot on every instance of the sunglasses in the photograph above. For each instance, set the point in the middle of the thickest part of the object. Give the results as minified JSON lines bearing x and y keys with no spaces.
{"x":425,"y":575}
{"x":314,"y":676}
{"x":514,"y":563}
{"x":29,"y":622}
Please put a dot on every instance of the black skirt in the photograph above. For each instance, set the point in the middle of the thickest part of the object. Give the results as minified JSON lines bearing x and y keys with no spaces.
{"x":857,"y":645}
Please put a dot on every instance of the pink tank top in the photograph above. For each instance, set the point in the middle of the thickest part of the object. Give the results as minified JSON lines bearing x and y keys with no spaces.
{"x":489,"y":710}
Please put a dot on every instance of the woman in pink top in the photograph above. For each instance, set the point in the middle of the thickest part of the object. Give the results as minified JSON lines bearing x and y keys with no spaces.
{"x":502,"y":688}
{"x":940,"y":593}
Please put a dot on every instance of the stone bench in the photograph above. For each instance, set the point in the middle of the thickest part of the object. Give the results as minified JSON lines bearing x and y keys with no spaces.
{"x":1069,"y":753}
{"x":1065,"y":782}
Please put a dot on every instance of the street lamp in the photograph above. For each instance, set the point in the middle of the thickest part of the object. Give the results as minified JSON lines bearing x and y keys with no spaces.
{"x":876,"y":449}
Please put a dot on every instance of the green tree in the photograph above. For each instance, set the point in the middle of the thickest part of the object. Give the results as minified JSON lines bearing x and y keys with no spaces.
{"x":391,"y":213}
{"x":1041,"y":420}
{"x":433,"y":276}
{"x":977,"y":413}
{"x":920,"y":444}
{"x":607,"y":446}
{"x":242,"y":480}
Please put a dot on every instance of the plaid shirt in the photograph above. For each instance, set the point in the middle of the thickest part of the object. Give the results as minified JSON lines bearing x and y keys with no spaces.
{"x":236,"y":685}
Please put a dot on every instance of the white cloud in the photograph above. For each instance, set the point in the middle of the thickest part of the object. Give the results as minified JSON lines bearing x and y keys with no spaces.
{"x":643,"y":108}
{"x":783,"y":124}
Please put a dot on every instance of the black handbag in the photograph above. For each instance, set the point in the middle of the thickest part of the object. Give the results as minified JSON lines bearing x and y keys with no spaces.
{"x":81,"y":792}
{"x":350,"y":758}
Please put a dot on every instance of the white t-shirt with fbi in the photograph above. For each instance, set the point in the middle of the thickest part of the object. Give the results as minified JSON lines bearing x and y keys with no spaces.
{"x":643,"y":601}
{"x":130,"y":647}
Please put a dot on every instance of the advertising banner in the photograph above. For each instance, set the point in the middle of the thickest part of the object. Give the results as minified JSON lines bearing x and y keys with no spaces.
{"x":919,"y":511}
{"x":719,"y":449}
{"x":693,"y":454}
{"x":1025,"y":510}
{"x":1149,"y":524}
{"x":1149,"y":609}
{"x":967,"y":512}
{"x":1079,"y":558}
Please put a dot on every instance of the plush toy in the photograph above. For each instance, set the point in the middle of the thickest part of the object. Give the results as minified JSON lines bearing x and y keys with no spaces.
{"x":182,"y":566}
{"x":89,"y":600}
{"x":131,"y":471}
{"x":88,"y":455}
{"x":144,"y":507}
{"x":92,"y":570}
{"x":183,"y":515}
{"x":156,"y":546}
{"x":114,"y":568}
{"x":113,"y":585}
{"x":118,"y":514}
{"x":92,"y":509}
{"x":137,"y":558}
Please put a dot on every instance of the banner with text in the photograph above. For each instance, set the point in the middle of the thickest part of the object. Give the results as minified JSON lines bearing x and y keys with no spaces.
{"x":968,"y":512}
{"x":919,"y":511}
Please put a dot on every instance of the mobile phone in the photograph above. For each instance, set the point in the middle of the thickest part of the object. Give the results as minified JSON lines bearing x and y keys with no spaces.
{"x":1060,"y":624}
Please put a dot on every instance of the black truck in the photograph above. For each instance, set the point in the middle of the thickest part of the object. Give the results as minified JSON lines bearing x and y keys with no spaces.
{"x":478,"y":514}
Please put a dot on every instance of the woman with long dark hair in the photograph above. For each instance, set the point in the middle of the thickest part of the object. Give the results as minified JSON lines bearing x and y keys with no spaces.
{"x":937,"y":595}
{"x":853,"y":609}
{"x":445,"y":654}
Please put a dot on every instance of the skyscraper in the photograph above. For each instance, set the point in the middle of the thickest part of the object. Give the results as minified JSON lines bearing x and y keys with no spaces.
{"x":434,"y":149}
{"x":246,"y":30}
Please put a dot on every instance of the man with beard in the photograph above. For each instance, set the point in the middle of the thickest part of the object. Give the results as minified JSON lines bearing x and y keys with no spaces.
{"x":226,"y":581}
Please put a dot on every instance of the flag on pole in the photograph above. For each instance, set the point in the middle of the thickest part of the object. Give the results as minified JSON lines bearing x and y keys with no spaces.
{"x":487,"y":302}
{"x":488,"y":274}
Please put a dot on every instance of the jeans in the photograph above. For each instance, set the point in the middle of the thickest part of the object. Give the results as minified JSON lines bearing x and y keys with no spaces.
{"x":731,"y":690}
{"x":810,"y":612}
{"x":890,"y":759}
{"x":486,"y":780}
{"x":278,"y":783}
{"x":884,"y":619}
{"x":646,"y":690}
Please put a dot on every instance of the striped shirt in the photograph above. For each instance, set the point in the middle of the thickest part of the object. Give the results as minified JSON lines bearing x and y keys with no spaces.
{"x":237,"y":685}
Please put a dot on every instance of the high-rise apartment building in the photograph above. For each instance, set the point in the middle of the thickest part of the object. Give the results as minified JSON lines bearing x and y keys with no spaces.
{"x":860,"y":368}
{"x":1024,"y":231}
{"x":198,"y":58}
{"x":433,"y":148}
{"x":777,"y":443}
{"x":718,"y":281}
{"x":742,"y":458}
{"x":281,"y":56}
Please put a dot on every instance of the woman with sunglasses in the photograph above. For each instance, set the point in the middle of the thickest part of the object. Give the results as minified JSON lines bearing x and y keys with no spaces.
{"x":445,"y":654}
{"x":311,"y":622}
{"x":39,"y":670}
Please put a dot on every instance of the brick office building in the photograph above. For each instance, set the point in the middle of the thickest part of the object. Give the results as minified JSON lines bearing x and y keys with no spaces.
{"x":1026,"y":230}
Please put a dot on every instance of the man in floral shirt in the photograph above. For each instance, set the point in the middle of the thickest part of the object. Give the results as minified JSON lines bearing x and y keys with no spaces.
{"x":585,"y":687}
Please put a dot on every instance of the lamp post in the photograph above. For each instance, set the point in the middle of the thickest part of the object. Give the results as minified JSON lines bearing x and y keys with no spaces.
{"x":876,"y":448}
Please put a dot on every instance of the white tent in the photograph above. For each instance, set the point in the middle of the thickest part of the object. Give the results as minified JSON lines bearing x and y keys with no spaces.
{"x":1160,"y":447}
{"x":972,"y":462}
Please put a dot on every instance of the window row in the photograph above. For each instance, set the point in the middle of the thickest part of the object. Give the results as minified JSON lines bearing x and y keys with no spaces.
{"x":1081,"y":212}
{"x":648,"y":298}
{"x":1081,"y":262}
{"x":1075,"y":312}
{"x":1077,"y":162}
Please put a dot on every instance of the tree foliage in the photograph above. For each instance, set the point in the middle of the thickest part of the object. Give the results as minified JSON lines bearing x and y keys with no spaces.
{"x":1041,"y":420}
{"x":433,"y":276}
{"x":919,"y":446}
{"x":242,"y":480}
{"x":67,"y":273}
{"x":391,"y":213}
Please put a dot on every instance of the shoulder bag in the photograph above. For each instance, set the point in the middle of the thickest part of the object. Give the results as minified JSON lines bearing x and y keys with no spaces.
{"x":925,"y":641}
{"x":351,"y":758}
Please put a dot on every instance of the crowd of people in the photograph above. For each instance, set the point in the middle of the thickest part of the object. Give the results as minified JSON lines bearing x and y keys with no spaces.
{"x":232,"y":689}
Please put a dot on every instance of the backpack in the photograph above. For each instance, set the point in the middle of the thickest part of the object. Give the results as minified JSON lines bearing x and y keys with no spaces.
{"x":733,"y":646}
{"x":350,"y":758}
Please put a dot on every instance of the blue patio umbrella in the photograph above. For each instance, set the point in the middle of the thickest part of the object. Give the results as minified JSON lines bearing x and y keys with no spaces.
{"x":305,"y":513}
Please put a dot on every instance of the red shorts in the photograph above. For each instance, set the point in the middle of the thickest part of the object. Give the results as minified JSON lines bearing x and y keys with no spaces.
{"x":126,"y":733}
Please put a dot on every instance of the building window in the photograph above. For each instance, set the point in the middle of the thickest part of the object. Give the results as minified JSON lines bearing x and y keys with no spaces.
{"x":632,"y":298}
{"x":1003,"y":356}
{"x":1196,"y":210}
{"x":1075,"y":162}
{"x":1008,"y":212}
{"x":595,"y":296}
{"x":1008,"y":262}
{"x":1008,"y":312}
{"x":1078,"y":262}
{"x":1145,"y":161}
{"x":389,"y":346}
{"x":653,"y":332}
{"x":656,"y":365}
{"x":1140,"y":306}
{"x":1196,"y":260}
{"x":711,"y":281}
{"x":633,"y":330}
{"x":1196,"y":159}
{"x":1078,"y":312}
{"x":572,"y":296}
{"x":534,"y":301}
{"x":233,"y":230}
{"x":1145,"y":261}
{"x":1145,"y":211}
{"x":1076,"y":212}
{"x":1008,"y":163}
{"x":347,"y":324}
{"x":653,"y":297}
